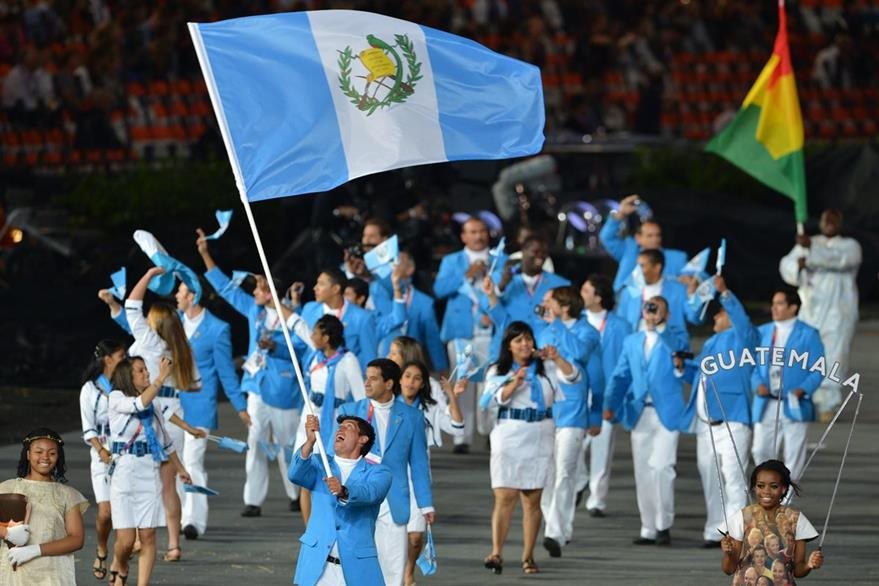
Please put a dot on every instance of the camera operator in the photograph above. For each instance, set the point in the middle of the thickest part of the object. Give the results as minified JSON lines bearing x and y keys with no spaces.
{"x":648,"y":398}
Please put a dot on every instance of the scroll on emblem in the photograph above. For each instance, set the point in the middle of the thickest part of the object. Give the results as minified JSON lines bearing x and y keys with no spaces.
{"x":377,"y":63}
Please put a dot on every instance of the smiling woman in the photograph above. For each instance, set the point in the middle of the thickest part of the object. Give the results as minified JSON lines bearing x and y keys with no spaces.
{"x":42,"y":552}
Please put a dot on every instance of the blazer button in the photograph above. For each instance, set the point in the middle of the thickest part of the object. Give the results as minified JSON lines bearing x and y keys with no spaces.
{"x":338,"y":527}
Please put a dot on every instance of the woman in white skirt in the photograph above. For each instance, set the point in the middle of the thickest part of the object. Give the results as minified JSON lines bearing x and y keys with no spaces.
{"x":439,"y":417}
{"x":141,"y":445}
{"x":521,"y":442}
{"x":161,"y":334}
{"x":96,"y":432}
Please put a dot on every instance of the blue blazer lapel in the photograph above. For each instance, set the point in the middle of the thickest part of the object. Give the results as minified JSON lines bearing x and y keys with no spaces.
{"x":394,"y":422}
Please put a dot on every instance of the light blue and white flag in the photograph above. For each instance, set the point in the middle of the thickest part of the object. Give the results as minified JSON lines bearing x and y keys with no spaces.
{"x":200,"y":489}
{"x":497,"y":252}
{"x":164,"y":284}
{"x":118,"y":289}
{"x":309,"y":100}
{"x":380,"y":260}
{"x":721,"y":256}
{"x":238,"y":277}
{"x":635,"y":282}
{"x":696,"y":265}
{"x":224,"y":217}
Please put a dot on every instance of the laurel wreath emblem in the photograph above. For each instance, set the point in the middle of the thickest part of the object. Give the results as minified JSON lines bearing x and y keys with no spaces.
{"x":401,"y":89}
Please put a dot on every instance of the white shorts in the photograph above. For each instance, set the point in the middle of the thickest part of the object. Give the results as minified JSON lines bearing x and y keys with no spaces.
{"x":100,"y":480}
{"x":136,"y":493}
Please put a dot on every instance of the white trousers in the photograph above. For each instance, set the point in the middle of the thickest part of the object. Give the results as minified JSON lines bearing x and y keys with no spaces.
{"x":654,"y":455}
{"x":735,"y":485}
{"x":557,"y":503}
{"x":790,"y":433}
{"x":195,"y":506}
{"x":482,"y":421}
{"x":391,"y":544}
{"x":332,"y":576}
{"x":268,"y":424}
{"x":597,"y":476}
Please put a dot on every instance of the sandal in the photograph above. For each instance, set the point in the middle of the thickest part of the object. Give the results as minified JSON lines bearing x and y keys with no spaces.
{"x":99,"y":569}
{"x":495,"y":563}
{"x":173,"y":558}
{"x":529,"y":567}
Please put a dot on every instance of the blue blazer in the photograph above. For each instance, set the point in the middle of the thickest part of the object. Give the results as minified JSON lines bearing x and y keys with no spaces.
{"x":625,"y":252}
{"x":580,"y":345}
{"x":350,"y":524}
{"x":515,"y":304}
{"x":211,"y":344}
{"x":421,"y":324}
{"x":360,"y":330}
{"x":275,"y":384}
{"x":803,"y":338}
{"x":679,"y":311}
{"x":734,"y":385}
{"x":449,"y":284}
{"x":612,"y":335}
{"x":406,"y":447}
{"x":633,"y":378}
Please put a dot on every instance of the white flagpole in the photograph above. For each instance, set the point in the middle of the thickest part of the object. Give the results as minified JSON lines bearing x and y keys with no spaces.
{"x":239,"y":183}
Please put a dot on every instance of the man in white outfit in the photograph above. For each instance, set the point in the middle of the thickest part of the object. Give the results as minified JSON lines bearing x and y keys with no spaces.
{"x":825,"y":269}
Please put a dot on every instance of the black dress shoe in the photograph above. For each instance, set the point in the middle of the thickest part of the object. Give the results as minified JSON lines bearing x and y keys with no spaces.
{"x":663,"y":537}
{"x":190,"y":532}
{"x":553,"y":547}
{"x":251,"y":511}
{"x":643,"y":541}
{"x":710,"y":544}
{"x":461,"y":449}
{"x":596,"y":513}
{"x":294,"y":505}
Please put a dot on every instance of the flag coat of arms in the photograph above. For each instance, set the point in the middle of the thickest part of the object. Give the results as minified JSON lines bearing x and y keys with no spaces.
{"x":309,"y":100}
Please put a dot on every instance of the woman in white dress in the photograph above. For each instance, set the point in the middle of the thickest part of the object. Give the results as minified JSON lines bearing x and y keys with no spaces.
{"x":95,"y":432}
{"x":141,"y":445}
{"x":438,"y":418}
{"x":522,"y":441}
{"x":42,"y":549}
{"x":161,"y":334}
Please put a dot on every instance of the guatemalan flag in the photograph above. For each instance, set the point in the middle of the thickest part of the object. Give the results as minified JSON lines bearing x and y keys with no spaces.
{"x":309,"y":100}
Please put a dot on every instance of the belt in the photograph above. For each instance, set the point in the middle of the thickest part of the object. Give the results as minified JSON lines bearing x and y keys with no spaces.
{"x":138,"y":449}
{"x":333,"y":560}
{"x":649,"y":405}
{"x":530,"y":415}
{"x":318,"y":400}
{"x":168,"y":393}
{"x":103,"y":430}
{"x":712,"y":422}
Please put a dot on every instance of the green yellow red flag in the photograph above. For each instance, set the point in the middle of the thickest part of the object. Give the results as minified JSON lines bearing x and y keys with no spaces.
{"x":765,"y":139}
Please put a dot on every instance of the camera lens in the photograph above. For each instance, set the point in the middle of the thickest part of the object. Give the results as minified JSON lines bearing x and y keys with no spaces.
{"x":651,"y":307}
{"x":540,"y":310}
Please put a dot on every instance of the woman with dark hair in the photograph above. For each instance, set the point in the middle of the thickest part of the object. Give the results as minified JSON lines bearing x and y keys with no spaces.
{"x":161,"y":334}
{"x":521,"y":442}
{"x":438,"y":417}
{"x":140,"y":446}
{"x":770,"y":484}
{"x":43,"y":548}
{"x":95,"y":432}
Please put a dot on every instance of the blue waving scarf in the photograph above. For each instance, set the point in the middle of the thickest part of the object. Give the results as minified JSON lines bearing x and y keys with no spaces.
{"x":533,"y":381}
{"x":146,"y":419}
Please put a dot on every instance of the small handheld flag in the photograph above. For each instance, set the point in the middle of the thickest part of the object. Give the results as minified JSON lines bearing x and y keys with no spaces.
{"x":200,"y":489}
{"x":721,"y":256}
{"x":224,"y":217}
{"x":697,"y":264}
{"x":381,"y":259}
{"x":497,"y":252}
{"x":271,"y":450}
{"x":426,"y":562}
{"x":118,"y":289}
{"x":228,"y":443}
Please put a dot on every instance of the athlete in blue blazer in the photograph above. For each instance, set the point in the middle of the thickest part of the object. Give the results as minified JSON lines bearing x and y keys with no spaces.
{"x":631,"y":298}
{"x":339,"y":536}
{"x":792,"y":383}
{"x":650,"y":400}
{"x":730,"y":388}
{"x":625,"y":249}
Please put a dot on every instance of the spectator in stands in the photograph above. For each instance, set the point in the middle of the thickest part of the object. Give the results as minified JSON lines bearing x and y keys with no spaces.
{"x":27,"y":89}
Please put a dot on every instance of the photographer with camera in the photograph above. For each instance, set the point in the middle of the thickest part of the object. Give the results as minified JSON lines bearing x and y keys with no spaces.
{"x":733,"y":332}
{"x":647,"y":397}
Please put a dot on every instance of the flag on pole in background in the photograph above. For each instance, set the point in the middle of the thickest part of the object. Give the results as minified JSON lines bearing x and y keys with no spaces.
{"x":309,"y":100}
{"x":380,"y":260}
{"x":765,"y":139}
